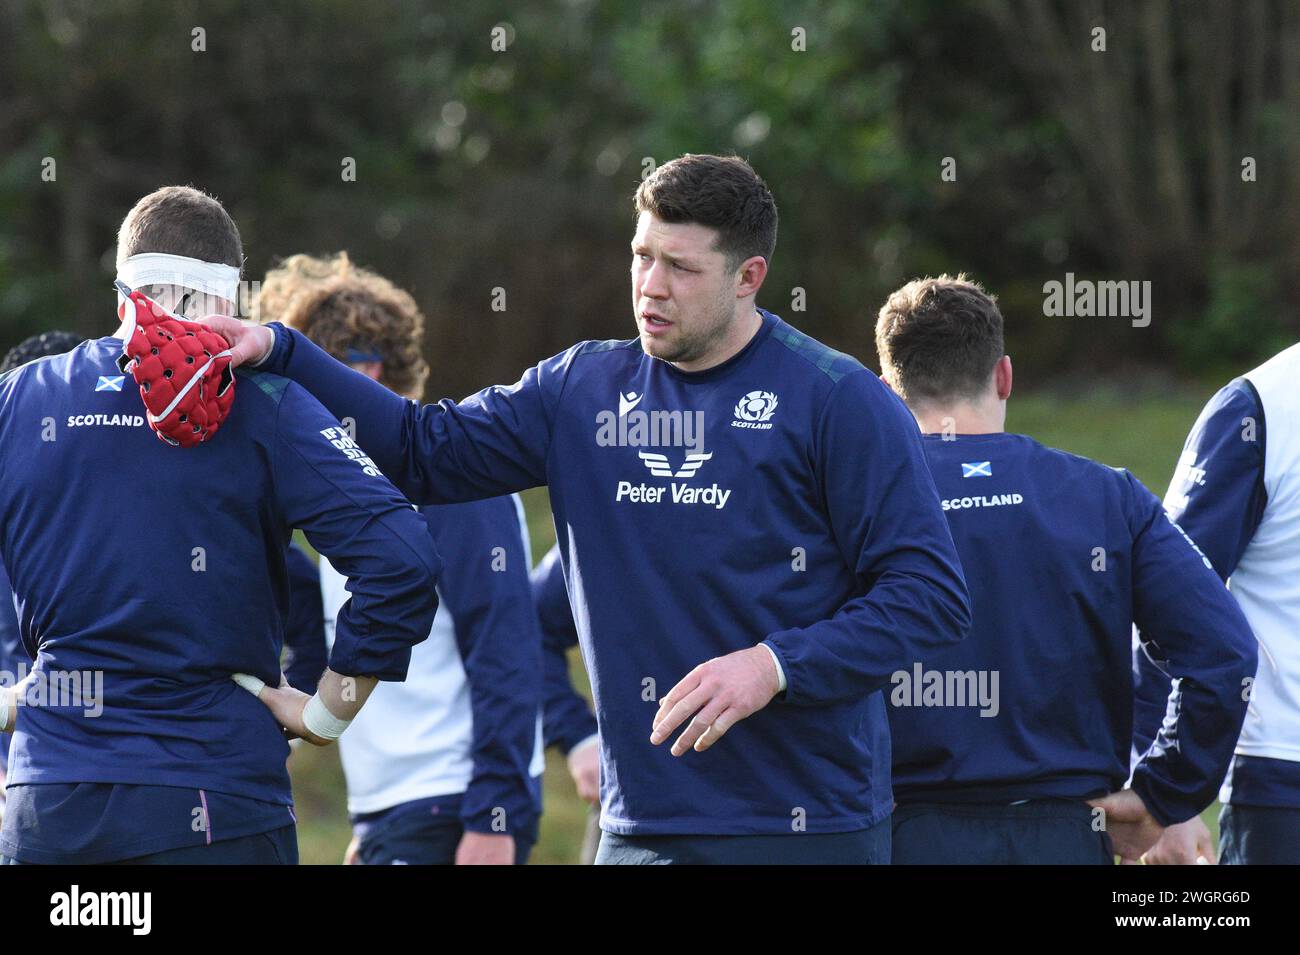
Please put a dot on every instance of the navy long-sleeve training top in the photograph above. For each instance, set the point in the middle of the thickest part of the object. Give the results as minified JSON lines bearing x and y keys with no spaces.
{"x":465,"y":721}
{"x":1234,"y":492}
{"x":780,"y":497}
{"x":162,"y":570}
{"x":1062,"y":556}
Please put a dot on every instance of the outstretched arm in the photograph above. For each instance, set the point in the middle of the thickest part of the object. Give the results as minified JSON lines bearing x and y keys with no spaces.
{"x":492,"y":443}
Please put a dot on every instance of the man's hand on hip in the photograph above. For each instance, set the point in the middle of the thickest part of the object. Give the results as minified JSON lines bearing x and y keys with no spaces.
{"x":720,"y":693}
{"x":286,"y":705}
{"x":1132,"y":828}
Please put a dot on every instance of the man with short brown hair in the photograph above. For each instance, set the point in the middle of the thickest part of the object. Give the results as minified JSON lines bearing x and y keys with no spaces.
{"x":732,"y":572}
{"x":1013,"y":747}
{"x":942,"y":338}
{"x":174,"y":224}
{"x":146,"y":576}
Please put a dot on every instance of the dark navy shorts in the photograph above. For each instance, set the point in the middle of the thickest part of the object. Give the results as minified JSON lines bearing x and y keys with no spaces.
{"x":423,"y":838}
{"x":1259,"y":835}
{"x":863,"y":847}
{"x":1041,"y":832}
{"x":277,"y":847}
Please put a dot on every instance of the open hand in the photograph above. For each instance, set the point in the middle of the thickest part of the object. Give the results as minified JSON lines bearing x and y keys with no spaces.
{"x":720,"y":693}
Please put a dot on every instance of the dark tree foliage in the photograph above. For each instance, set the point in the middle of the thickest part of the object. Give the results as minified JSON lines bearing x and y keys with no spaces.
{"x":485,"y":173}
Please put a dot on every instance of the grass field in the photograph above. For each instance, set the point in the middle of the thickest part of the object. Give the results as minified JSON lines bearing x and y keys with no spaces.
{"x":1145,"y":437}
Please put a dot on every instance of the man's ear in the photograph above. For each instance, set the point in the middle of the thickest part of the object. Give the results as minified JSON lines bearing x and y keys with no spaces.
{"x":750,"y":276}
{"x":1002,"y":377}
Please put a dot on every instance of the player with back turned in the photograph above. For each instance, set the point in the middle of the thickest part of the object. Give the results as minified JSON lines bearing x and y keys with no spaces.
{"x":163,"y":576}
{"x":751,"y":538}
{"x":13,"y":658}
{"x":1062,"y":556}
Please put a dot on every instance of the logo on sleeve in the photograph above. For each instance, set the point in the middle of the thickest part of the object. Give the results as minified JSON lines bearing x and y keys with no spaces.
{"x":755,"y":411}
{"x":1187,"y":472}
{"x":977,"y":469}
{"x":110,"y":382}
{"x":340,"y":439}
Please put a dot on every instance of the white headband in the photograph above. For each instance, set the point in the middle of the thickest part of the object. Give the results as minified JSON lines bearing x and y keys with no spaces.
{"x":160,"y":268}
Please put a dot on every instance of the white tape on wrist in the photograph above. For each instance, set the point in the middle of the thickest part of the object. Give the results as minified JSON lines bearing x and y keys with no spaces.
{"x":4,"y":710}
{"x":250,"y":683}
{"x":320,"y":722}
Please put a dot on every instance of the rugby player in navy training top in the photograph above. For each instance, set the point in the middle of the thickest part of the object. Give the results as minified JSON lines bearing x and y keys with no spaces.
{"x":1005,"y":745}
{"x":13,"y":658}
{"x":445,"y":767}
{"x":1236,"y":491}
{"x":751,"y":537}
{"x":145,"y":576}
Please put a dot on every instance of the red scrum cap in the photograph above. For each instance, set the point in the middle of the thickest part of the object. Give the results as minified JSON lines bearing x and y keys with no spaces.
{"x":182,"y":368}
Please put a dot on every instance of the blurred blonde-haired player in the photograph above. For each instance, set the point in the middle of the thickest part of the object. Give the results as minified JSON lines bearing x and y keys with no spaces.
{"x":446,"y":767}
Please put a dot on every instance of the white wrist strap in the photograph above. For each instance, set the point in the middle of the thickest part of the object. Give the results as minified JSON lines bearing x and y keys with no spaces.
{"x":320,"y":722}
{"x":4,"y":710}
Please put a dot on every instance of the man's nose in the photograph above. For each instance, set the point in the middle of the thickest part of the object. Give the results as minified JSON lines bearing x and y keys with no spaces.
{"x":654,"y":282}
